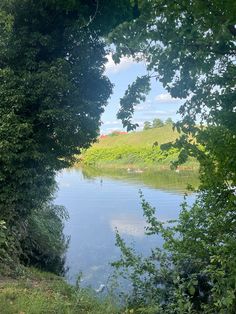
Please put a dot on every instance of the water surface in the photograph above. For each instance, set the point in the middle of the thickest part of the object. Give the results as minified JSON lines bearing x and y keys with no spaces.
{"x":100,"y":202}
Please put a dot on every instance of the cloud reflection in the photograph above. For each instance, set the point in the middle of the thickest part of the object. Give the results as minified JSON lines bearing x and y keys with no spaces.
{"x":128,"y":225}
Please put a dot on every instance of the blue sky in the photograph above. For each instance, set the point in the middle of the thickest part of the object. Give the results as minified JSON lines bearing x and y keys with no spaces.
{"x":158,"y":104}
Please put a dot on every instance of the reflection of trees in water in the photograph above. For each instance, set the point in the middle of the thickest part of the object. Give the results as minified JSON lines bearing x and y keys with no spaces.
{"x":162,"y":179}
{"x":87,"y":175}
{"x":90,"y":175}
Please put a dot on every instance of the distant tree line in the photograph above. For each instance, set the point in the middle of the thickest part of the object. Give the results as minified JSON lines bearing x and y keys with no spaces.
{"x":157,"y":123}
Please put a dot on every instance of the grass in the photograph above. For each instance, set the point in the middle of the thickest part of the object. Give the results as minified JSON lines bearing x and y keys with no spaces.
{"x":141,"y":138}
{"x":136,"y":150}
{"x":38,"y":292}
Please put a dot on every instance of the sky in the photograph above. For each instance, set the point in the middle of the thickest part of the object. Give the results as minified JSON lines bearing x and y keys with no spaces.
{"x":158,"y":104}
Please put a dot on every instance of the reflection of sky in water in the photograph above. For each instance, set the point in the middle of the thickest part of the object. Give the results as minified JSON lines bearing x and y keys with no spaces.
{"x":97,"y":207}
{"x":128,"y":225}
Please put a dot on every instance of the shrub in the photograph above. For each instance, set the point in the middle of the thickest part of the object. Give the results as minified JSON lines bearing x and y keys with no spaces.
{"x":9,"y":247}
{"x":125,"y":154}
{"x":45,"y":244}
{"x":194,"y":271}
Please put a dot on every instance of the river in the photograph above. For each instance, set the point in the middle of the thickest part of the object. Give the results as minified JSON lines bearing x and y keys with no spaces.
{"x":100,"y":202}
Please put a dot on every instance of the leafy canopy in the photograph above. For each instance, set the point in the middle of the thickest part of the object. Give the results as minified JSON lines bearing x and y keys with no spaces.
{"x":52,"y":93}
{"x":190,"y":47}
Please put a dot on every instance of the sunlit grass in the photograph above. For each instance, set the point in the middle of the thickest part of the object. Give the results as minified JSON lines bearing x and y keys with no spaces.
{"x":142,"y":138}
{"x":37,"y":292}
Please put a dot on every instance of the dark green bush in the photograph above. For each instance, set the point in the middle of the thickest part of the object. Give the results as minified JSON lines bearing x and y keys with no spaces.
{"x":45,"y":244}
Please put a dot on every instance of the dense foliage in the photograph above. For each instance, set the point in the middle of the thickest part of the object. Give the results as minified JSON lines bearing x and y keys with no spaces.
{"x":52,"y":93}
{"x":189,"y":46}
{"x":145,"y":156}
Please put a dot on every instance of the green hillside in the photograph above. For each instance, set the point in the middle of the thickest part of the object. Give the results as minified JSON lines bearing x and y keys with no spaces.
{"x":142,"y":138}
{"x":135,"y":150}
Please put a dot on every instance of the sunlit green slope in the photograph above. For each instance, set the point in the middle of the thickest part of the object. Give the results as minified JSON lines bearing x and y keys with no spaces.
{"x":142,"y":138}
{"x":135,"y":150}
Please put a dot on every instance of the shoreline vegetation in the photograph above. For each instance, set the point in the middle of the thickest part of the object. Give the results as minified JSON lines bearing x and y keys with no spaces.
{"x":135,"y":151}
{"x":35,"y":291}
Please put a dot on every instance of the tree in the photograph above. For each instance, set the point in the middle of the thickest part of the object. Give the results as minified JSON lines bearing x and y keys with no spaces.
{"x":52,"y":93}
{"x":192,"y":54}
{"x":48,"y":110}
{"x":147,"y":125}
{"x":169,"y":121}
{"x":190,"y":47}
{"x":157,"y":123}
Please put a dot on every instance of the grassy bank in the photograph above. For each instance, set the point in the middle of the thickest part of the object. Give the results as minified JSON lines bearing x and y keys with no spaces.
{"x":135,"y":150}
{"x":36,"y":292}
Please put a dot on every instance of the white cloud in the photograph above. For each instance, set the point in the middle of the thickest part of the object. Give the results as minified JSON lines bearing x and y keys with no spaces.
{"x":143,"y":107}
{"x":111,"y":67}
{"x":114,"y":122}
{"x":166,"y":98}
{"x":160,"y":113}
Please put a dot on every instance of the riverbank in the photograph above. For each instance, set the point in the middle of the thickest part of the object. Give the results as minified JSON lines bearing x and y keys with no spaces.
{"x":138,"y":167}
{"x":35,"y":292}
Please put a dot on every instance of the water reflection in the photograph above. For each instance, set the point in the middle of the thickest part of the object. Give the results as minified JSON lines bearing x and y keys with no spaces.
{"x":128,"y":225}
{"x":168,"y":180}
{"x":98,"y":203}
